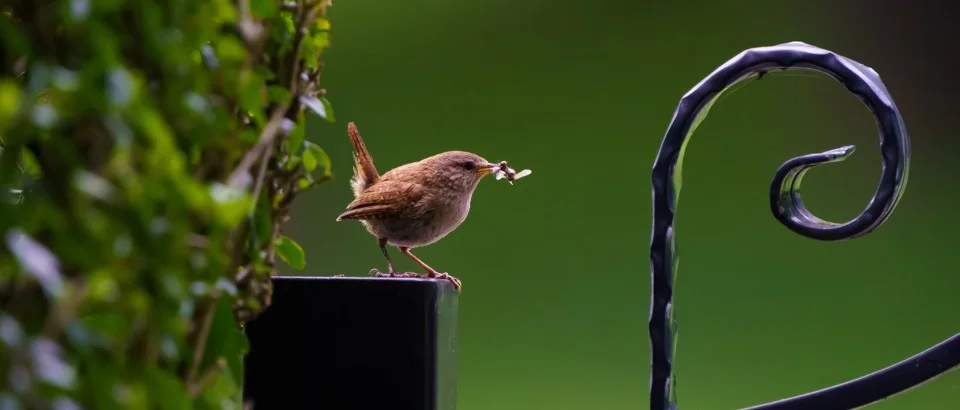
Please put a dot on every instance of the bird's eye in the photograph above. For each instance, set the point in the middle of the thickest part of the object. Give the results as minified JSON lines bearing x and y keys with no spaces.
{"x":468,"y":165}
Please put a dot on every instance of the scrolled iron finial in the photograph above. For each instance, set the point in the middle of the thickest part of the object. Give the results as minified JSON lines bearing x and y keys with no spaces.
{"x":788,"y":208}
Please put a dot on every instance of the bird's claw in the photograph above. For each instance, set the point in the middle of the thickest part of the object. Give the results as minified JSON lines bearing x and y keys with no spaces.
{"x":393,"y":274}
{"x":376,"y":272}
{"x":445,"y":276}
{"x":429,"y":275}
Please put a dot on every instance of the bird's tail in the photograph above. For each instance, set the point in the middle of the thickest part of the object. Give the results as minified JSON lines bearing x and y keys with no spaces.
{"x":364,"y":173}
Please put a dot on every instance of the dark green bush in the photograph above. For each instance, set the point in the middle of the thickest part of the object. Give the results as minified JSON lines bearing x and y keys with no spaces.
{"x":150,"y":154}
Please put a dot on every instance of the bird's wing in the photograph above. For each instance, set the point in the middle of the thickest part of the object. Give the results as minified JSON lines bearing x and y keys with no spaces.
{"x":386,"y":199}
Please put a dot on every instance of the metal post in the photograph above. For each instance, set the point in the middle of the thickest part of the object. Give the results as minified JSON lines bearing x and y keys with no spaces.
{"x":354,"y":344}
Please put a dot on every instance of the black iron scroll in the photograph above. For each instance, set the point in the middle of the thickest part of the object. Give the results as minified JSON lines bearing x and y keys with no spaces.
{"x":788,"y":208}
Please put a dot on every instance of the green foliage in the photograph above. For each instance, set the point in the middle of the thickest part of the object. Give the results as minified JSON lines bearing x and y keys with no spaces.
{"x":149,"y":154}
{"x":291,"y":252}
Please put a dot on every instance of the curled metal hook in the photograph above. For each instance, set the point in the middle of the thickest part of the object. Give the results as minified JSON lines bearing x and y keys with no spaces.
{"x":788,"y":208}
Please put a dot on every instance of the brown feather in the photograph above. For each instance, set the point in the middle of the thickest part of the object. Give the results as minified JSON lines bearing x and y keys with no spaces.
{"x":387,"y":199}
{"x":364,"y":172}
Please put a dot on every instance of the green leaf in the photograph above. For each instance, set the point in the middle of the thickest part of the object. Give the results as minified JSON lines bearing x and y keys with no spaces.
{"x":262,"y":226}
{"x":9,"y":101}
{"x":279,"y":94}
{"x":304,"y":183}
{"x":221,"y":394}
{"x":291,"y":253}
{"x":109,"y":327}
{"x":263,"y":8}
{"x":292,"y":163}
{"x":320,"y":106}
{"x":323,"y":160}
{"x":309,"y":161}
{"x":166,"y":391}
{"x":226,"y":341}
{"x":329,"y":108}
{"x":224,"y":11}
{"x":230,"y":204}
{"x":144,"y":127}
{"x":30,"y":164}
{"x":264,"y":72}
{"x":297,"y":135}
{"x":231,"y":49}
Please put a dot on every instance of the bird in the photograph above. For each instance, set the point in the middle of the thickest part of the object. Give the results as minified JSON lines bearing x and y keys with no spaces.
{"x":415,"y":204}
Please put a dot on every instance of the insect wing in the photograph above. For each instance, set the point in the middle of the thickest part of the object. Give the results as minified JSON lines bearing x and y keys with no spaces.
{"x":522,"y":174}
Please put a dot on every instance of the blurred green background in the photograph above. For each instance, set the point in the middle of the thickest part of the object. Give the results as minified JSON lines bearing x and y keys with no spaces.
{"x":556,"y":268}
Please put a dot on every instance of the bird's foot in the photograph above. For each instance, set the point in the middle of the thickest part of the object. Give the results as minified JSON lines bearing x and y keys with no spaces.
{"x":445,"y":276}
{"x":393,"y":274}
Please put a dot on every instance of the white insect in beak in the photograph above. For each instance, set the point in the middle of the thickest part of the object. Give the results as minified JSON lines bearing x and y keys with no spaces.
{"x":522,"y":174}
{"x":509,"y":173}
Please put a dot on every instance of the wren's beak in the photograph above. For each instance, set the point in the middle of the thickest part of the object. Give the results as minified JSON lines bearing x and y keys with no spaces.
{"x":487,"y":168}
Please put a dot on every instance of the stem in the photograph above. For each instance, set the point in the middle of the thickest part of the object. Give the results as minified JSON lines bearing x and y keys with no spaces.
{"x":260,"y":177}
{"x":207,"y":307}
{"x":195,"y":388}
{"x":267,"y":138}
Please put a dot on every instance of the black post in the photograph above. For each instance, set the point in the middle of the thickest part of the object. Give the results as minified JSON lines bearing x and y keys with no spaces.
{"x":354,"y":344}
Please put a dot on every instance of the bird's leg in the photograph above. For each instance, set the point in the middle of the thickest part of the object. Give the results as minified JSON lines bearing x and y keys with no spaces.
{"x":390,"y":271}
{"x":431,"y":273}
{"x":383,"y":248}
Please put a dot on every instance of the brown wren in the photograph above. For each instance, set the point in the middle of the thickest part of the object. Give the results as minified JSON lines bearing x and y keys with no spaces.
{"x":415,"y":204}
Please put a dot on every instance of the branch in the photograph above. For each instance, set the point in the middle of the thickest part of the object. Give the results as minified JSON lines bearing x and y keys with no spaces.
{"x":207,"y":308}
{"x":195,"y":388}
{"x":267,"y":138}
{"x":261,"y":175}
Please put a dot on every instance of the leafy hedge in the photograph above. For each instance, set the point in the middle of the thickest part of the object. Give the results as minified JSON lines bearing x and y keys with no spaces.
{"x":150,"y":154}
